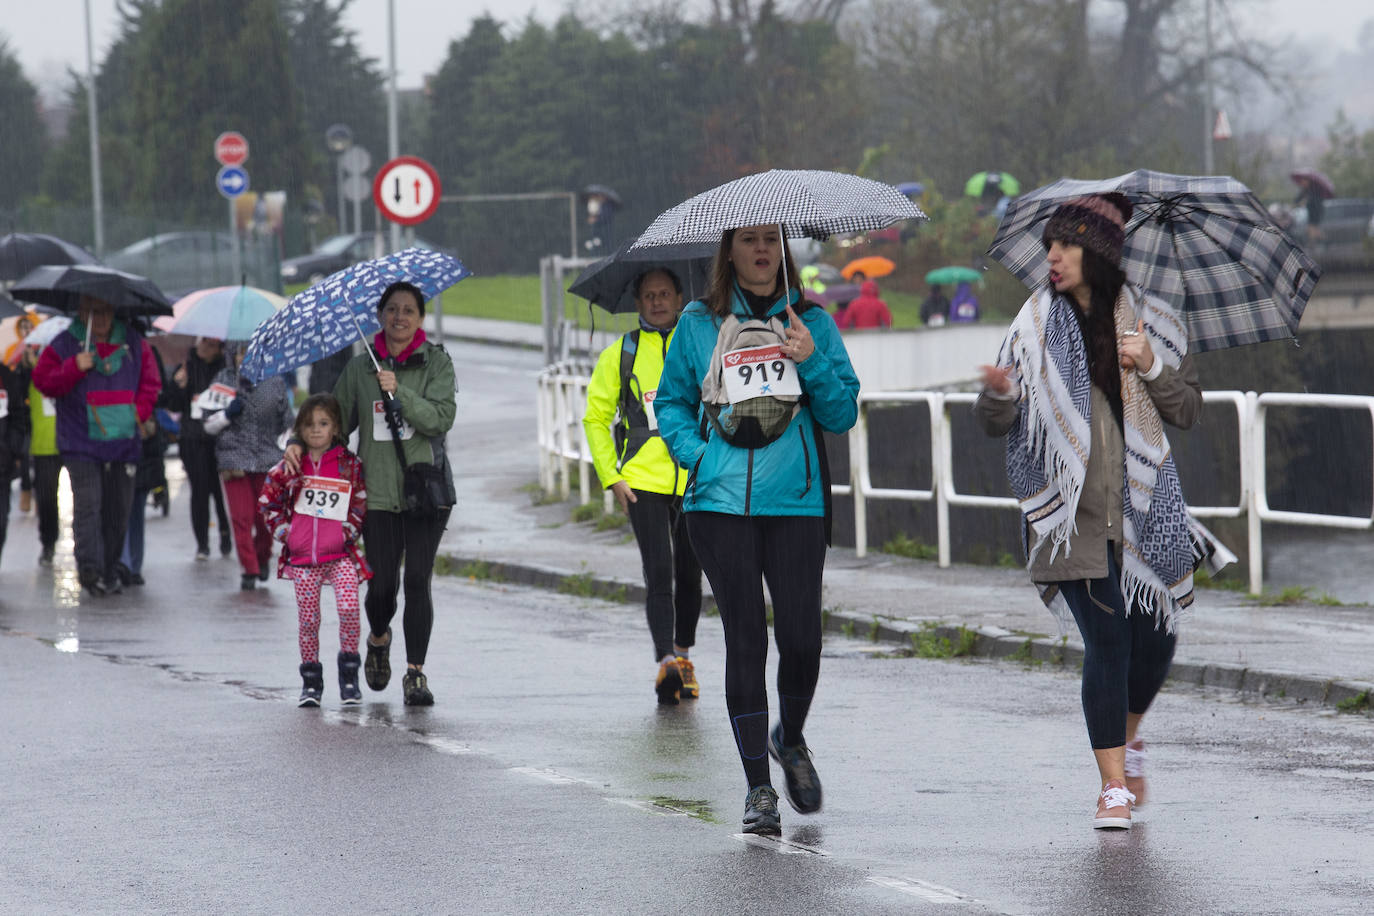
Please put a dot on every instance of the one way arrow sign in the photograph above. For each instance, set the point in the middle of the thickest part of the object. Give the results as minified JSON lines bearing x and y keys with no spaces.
{"x":231,"y":181}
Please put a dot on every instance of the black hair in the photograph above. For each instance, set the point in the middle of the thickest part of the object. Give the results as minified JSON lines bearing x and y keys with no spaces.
{"x":659,"y":269}
{"x":1098,"y":326}
{"x":401,"y":286}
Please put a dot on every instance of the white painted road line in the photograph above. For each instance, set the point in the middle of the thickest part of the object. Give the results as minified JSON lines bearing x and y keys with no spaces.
{"x":780,"y":846}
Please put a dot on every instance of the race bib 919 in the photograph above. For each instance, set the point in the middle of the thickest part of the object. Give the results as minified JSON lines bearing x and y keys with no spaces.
{"x":755,"y":372}
{"x":324,"y":497}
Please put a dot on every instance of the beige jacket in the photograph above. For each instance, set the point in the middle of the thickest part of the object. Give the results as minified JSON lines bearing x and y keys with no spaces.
{"x":1177,"y":395}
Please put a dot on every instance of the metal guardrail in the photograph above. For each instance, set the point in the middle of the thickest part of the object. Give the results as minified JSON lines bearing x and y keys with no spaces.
{"x":563,"y":395}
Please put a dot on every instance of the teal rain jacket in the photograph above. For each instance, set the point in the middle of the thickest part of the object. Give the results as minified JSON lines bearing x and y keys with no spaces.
{"x":784,"y":477}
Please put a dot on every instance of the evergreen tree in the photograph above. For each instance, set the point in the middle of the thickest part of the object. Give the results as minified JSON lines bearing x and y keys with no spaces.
{"x":24,"y":140}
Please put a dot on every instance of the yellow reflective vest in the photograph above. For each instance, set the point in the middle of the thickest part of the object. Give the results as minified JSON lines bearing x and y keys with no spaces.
{"x":634,"y":452}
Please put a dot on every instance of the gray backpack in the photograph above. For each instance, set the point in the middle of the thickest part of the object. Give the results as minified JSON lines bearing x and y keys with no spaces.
{"x":760,"y":420}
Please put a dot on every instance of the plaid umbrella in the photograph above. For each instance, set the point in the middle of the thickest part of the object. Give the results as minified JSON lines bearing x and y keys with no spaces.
{"x":1204,"y":245}
{"x":811,"y":203}
{"x":322,"y":320}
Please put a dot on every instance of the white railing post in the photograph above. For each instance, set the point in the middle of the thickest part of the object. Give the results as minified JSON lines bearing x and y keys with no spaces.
{"x":1256,"y":499}
{"x":941,"y":472}
{"x":858,"y":479}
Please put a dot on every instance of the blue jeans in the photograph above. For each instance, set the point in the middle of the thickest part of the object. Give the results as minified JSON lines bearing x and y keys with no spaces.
{"x":1125,"y":657}
{"x":132,"y":555}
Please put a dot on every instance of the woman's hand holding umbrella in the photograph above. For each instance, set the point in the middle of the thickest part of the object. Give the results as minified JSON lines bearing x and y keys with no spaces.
{"x":996,"y":379}
{"x":1133,"y":349}
{"x":387,"y":381}
{"x":799,"y":343}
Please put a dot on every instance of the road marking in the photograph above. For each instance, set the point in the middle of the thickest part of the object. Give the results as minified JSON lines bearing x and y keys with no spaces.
{"x":549,"y":775}
{"x":779,"y":845}
{"x":1333,"y":773}
{"x":933,"y":893}
{"x":649,"y":807}
{"x":447,"y":745}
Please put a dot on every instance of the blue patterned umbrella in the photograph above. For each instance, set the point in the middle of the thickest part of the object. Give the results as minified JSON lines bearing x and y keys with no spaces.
{"x":1204,"y":245}
{"x":341,"y":308}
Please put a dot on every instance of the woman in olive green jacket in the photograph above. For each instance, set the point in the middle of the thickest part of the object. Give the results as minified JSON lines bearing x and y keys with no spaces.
{"x":418,"y":375}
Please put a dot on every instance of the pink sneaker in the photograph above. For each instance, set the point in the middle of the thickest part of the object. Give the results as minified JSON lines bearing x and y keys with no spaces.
{"x":1135,"y":770}
{"x":1114,"y":806}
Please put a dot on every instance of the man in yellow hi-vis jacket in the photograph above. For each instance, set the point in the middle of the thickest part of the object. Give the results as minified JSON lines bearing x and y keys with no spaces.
{"x":634,"y":464}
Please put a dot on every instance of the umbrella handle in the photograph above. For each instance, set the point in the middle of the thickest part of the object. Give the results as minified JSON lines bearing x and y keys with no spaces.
{"x":372,"y":356}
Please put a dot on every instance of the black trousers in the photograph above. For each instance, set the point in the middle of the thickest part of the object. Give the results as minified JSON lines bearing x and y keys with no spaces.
{"x":101,"y":495}
{"x":47,"y":475}
{"x":202,"y":474}
{"x":738,"y":555}
{"x":1125,"y":658}
{"x":672,"y":575}
{"x":390,"y":538}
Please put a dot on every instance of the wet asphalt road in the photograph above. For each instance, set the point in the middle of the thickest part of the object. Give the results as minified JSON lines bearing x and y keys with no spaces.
{"x":155,"y":762}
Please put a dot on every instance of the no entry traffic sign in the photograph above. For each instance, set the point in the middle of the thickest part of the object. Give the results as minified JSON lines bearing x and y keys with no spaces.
{"x":406,"y":190}
{"x":231,"y":148}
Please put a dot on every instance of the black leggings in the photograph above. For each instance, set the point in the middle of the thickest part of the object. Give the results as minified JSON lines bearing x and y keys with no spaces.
{"x":202,"y":474}
{"x":389,"y":538}
{"x":47,"y":474}
{"x":739,"y":554}
{"x":672,"y":575}
{"x":1125,"y":658}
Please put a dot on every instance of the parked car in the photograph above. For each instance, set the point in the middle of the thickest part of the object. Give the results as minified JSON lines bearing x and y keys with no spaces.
{"x":1346,"y":239}
{"x":334,"y":254}
{"x":179,"y":261}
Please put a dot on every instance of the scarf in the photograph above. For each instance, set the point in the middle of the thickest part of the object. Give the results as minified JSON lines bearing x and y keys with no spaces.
{"x":1047,"y":453}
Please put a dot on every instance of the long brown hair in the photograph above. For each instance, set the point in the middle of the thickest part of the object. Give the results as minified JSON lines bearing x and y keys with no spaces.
{"x":720,"y":289}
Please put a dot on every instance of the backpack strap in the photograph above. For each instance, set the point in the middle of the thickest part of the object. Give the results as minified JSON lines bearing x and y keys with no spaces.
{"x":632,"y":428}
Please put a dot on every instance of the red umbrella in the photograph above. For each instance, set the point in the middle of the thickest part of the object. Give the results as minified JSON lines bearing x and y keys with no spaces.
{"x":1316,"y":179}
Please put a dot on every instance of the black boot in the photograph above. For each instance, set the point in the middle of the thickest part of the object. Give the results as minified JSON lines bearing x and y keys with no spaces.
{"x":312,"y":684}
{"x":349,"y":662}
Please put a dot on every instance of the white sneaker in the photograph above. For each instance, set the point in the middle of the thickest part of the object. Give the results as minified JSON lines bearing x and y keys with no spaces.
{"x":1114,"y":806}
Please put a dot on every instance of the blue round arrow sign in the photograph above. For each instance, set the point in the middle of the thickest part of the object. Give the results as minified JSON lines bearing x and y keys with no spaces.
{"x":231,"y":181}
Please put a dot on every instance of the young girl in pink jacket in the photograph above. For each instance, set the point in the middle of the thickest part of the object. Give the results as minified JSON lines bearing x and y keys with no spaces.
{"x":318,"y":514}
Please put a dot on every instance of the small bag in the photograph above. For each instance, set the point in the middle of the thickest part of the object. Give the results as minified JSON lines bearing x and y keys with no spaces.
{"x":425,"y":490}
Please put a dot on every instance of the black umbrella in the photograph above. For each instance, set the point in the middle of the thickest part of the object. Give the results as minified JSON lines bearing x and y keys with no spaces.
{"x":21,"y":252}
{"x":9,"y":308}
{"x":609,"y":282}
{"x":63,"y":286}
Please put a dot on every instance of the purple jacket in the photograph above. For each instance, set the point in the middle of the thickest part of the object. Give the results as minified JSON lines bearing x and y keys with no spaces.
{"x":98,"y":413}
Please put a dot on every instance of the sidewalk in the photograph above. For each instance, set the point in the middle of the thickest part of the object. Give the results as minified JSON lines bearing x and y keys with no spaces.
{"x":1304,"y":653}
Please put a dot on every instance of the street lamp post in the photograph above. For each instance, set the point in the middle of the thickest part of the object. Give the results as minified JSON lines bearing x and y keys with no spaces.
{"x":97,"y":204}
{"x":339,"y":139}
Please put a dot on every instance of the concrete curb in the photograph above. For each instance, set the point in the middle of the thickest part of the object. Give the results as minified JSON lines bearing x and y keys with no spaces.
{"x":948,"y":641}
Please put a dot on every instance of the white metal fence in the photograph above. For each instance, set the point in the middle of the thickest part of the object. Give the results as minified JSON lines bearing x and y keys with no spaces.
{"x":563,"y":395}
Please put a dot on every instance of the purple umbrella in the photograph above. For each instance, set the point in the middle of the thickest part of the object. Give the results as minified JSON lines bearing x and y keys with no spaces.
{"x":1316,"y":178}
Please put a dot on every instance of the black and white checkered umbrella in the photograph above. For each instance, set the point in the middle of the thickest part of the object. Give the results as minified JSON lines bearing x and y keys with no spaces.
{"x":1205,"y":245}
{"x":811,"y":203}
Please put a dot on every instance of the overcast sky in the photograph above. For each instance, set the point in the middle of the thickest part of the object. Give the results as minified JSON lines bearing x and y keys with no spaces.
{"x":49,"y":35}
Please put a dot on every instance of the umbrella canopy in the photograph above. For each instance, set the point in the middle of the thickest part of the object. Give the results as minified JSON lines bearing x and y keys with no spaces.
{"x":1317,"y":179}
{"x":953,"y":275}
{"x":21,"y":252}
{"x":322,"y":320}
{"x":9,"y":308}
{"x":609,"y":282}
{"x":1204,"y":245}
{"x":224,"y":312}
{"x":871,"y":266}
{"x":911,"y":188}
{"x":805,"y":202}
{"x":837,"y":292}
{"x":980,"y":182}
{"x":47,"y":330}
{"x":63,"y":286}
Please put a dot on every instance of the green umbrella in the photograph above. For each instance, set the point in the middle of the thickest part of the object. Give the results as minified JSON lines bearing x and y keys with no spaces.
{"x":1000,"y":180}
{"x":942,"y":276}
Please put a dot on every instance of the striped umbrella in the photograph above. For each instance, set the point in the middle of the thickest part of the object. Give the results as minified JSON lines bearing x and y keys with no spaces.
{"x":813,"y":203}
{"x":1204,"y":245}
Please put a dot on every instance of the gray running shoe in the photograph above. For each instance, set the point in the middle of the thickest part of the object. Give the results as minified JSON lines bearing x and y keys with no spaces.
{"x":803,"y":785}
{"x":761,"y":812}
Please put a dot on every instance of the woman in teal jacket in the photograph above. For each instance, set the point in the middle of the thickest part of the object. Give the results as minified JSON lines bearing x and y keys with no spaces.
{"x":759,"y":514}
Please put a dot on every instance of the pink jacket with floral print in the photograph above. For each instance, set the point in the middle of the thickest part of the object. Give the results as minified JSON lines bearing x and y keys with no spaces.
{"x":277,"y":503}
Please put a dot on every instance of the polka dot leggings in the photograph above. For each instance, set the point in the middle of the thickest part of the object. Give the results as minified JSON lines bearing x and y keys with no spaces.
{"x":309,"y":580}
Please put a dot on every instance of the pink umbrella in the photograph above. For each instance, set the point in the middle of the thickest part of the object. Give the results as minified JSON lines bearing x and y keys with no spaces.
{"x":1316,"y":179}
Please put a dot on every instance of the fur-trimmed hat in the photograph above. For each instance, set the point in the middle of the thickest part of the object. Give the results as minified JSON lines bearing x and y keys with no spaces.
{"x":1097,"y":221}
